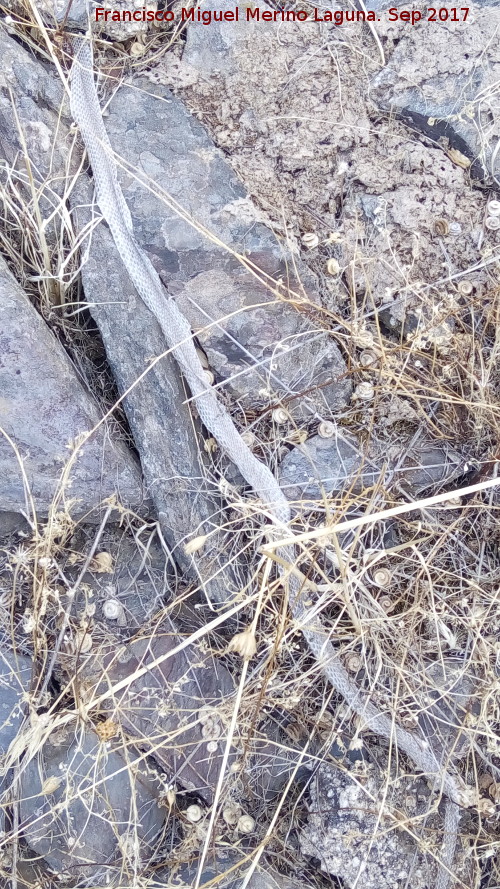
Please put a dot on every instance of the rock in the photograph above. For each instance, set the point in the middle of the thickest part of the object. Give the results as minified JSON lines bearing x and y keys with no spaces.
{"x":161,"y":423}
{"x":76,"y":15}
{"x":222,"y":868}
{"x":204,"y":278}
{"x":327,"y":465}
{"x":272,"y":111}
{"x":260,"y":348}
{"x":439,"y":92}
{"x":166,"y":433}
{"x":447,"y":698}
{"x":161,"y":708}
{"x":44,"y":408}
{"x":133,"y":571}
{"x":12,"y":523}
{"x":320,"y":464}
{"x":37,"y":98}
{"x":344,"y":831}
{"x":180,"y":710}
{"x":102,"y":813}
{"x":15,"y":678}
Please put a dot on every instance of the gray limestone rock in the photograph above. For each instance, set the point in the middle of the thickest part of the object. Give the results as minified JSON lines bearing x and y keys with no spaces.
{"x":328,"y":465}
{"x":161,"y":708}
{"x":77,"y":15}
{"x":165,"y":430}
{"x":180,"y":709}
{"x":44,"y":409}
{"x":161,"y":422}
{"x":15,"y":677}
{"x":134,"y":571}
{"x":103,"y":811}
{"x":35,"y":95}
{"x":320,"y":465}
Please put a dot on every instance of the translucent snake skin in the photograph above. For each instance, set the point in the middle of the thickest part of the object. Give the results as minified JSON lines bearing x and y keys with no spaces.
{"x":87,"y":114}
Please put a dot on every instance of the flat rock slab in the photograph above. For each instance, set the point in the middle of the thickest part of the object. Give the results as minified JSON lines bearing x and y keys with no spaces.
{"x":276,"y":111}
{"x":180,"y":711}
{"x":28,"y":90}
{"x":260,"y":347}
{"x":165,"y":430}
{"x":43,"y":409}
{"x":15,"y":678}
{"x":161,"y":709}
{"x":103,"y":810}
{"x":441,"y":79}
{"x":328,"y":465}
{"x":222,"y":868}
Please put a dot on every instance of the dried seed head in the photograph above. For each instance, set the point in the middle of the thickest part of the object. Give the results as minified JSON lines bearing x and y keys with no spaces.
{"x":367,"y":357}
{"x":211,"y":730}
{"x":493,"y":208}
{"x":494,"y":791}
{"x":246,"y":824}
{"x":362,"y":338}
{"x":196,"y":543}
{"x":441,"y":227}
{"x":326,"y":429}
{"x":280,"y":416}
{"x":353,"y":663}
{"x":465,"y":287}
{"x":332,"y":267}
{"x":102,"y":563}
{"x":310,"y":240}
{"x":382,"y":577}
{"x":244,"y":644}
{"x":452,"y":502}
{"x":492,"y":223}
{"x":194,"y":813}
{"x":113,"y":610}
{"x":50,"y":785}
{"x":364,"y":392}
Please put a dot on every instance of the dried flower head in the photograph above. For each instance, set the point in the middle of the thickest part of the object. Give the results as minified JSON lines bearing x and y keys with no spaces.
{"x":244,"y":644}
{"x":196,"y":543}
